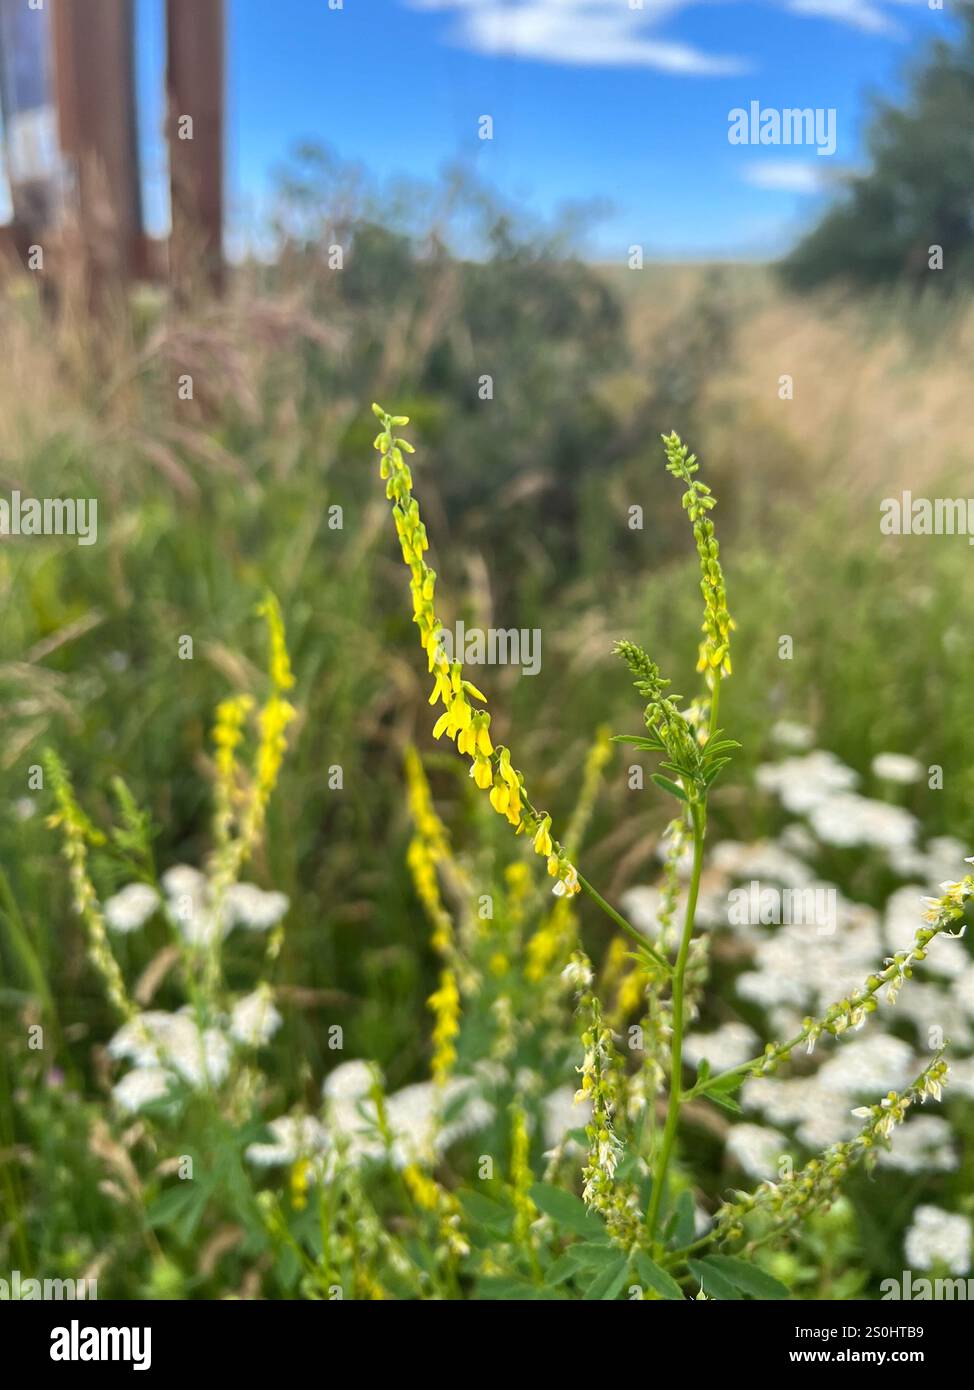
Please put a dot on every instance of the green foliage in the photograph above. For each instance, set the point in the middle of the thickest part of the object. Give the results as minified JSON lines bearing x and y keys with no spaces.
{"x":197,"y":523}
{"x":916,"y":194}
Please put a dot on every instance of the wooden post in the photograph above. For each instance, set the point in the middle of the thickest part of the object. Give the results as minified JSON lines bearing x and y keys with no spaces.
{"x":93,"y":64}
{"x":195,"y":83}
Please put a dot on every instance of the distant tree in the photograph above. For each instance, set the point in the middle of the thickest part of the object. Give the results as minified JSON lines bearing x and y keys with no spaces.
{"x":918,"y":193}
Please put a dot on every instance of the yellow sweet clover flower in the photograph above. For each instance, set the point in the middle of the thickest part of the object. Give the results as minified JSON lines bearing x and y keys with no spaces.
{"x":276,"y":714}
{"x":491,"y":768}
{"x":422,"y":1188}
{"x":273,"y":719}
{"x":498,"y":964}
{"x":279,"y":670}
{"x":430,"y":1196}
{"x":698,"y":501}
{"x":272,"y":722}
{"x":552,"y":942}
{"x":445,"y":1006}
{"x":622,"y":977}
{"x":228,"y":733}
{"x":518,"y":881}
{"x":522,"y":1178}
{"x":428,"y":848}
{"x":300,"y":1181}
{"x":79,"y":833}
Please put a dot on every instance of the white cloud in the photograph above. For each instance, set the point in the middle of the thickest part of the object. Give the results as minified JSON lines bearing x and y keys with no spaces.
{"x":608,"y":33}
{"x":578,"y":33}
{"x":870,"y":16}
{"x":786,"y":176}
{"x":859,"y":14}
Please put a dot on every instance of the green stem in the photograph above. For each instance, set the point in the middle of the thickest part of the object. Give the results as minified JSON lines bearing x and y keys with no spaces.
{"x":714,"y":705}
{"x":627,"y":927}
{"x":698,"y":813}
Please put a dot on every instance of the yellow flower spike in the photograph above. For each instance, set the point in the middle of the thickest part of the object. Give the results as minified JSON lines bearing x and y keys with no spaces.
{"x":423,"y":1190}
{"x":505,"y":786}
{"x":542,"y":839}
{"x":280,"y":672}
{"x":445,"y":1006}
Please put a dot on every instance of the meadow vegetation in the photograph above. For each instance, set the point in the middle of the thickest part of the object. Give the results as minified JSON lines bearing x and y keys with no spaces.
{"x":331,"y":1029}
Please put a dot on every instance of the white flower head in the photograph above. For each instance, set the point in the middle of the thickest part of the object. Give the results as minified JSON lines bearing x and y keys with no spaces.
{"x":939,"y":1237}
{"x":141,"y":1087}
{"x":350,"y":1081}
{"x":293,"y":1137}
{"x":757,"y":1149}
{"x":728,"y":1046}
{"x":254,"y":1020}
{"x":897,"y":767}
{"x":797,"y":738}
{"x":251,"y":907}
{"x":131,"y":907}
{"x":183,"y":880}
{"x":174,"y":1041}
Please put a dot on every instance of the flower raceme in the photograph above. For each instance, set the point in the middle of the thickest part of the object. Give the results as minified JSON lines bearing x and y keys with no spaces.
{"x":461,"y":720}
{"x":698,"y":501}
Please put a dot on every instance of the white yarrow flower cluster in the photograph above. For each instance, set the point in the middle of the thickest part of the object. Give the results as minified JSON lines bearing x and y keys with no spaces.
{"x":897,"y":767}
{"x":349,"y":1125}
{"x":938,"y":1237}
{"x":172,"y":1045}
{"x":254,"y":1020}
{"x":757,"y":1149}
{"x":131,"y":907}
{"x":728,"y":1046}
{"x":201,"y":921}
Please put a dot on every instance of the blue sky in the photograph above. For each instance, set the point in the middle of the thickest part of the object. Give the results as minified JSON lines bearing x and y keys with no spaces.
{"x":611,"y":101}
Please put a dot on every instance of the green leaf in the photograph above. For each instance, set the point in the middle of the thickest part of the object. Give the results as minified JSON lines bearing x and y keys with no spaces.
{"x":648,"y":745}
{"x":607,"y":1285}
{"x":668,"y":786}
{"x":561,"y":1270}
{"x":728,"y":1082}
{"x":714,"y":1283}
{"x":566,"y":1210}
{"x":512,"y":1290}
{"x":179,"y":1208}
{"x":656,"y":1278}
{"x":484,"y":1211}
{"x":720,"y":1088}
{"x":749,"y":1278}
{"x":591,"y":1255}
{"x":724,"y":1102}
{"x":680,"y":1228}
